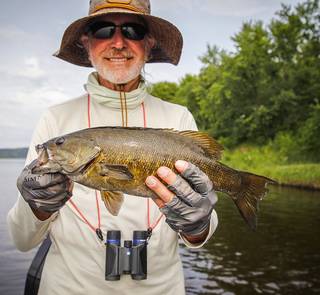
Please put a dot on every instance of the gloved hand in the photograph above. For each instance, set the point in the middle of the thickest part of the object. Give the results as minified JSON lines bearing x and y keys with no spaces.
{"x":189,"y":209}
{"x":47,"y":192}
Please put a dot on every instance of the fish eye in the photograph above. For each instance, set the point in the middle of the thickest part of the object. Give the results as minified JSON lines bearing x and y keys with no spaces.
{"x":39,"y":147}
{"x":59,"y":140}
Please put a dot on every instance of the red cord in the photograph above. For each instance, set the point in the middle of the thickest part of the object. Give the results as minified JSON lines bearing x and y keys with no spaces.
{"x":89,"y":112}
{"x":148,"y":200}
{"x":148,"y":212}
{"x":84,"y":218}
{"x":144,"y":116}
{"x":98,"y":209}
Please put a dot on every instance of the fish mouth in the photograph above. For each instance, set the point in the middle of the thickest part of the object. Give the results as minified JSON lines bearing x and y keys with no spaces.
{"x":49,"y":167}
{"x":45,"y":164}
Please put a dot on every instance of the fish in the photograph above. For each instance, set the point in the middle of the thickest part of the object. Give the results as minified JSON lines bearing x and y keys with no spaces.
{"x":117,"y":161}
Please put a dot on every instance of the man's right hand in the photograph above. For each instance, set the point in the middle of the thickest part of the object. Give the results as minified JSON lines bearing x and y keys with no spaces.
{"x":45,"y":193}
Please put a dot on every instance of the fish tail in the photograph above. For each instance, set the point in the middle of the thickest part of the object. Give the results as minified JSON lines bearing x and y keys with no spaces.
{"x":253,"y":189}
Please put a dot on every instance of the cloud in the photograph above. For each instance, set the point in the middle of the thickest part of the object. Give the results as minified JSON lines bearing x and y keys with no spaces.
{"x":32,"y":69}
{"x":43,"y":96}
{"x":15,"y":137}
{"x":240,"y":8}
{"x":11,"y":32}
{"x":244,"y":8}
{"x":21,"y":111}
{"x":33,"y":98}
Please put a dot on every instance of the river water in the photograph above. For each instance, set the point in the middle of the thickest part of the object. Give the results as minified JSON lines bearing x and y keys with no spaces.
{"x":281,"y":257}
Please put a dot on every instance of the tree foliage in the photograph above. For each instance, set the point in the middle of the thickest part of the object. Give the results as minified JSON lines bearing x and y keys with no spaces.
{"x":267,"y":89}
{"x":166,"y":90}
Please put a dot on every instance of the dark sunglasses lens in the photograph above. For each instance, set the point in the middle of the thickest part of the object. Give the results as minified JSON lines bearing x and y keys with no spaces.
{"x":102,"y":30}
{"x":104,"y":33}
{"x":133,"y":31}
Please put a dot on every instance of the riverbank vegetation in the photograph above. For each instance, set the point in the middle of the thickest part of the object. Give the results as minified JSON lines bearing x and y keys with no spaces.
{"x":262,"y":101}
{"x":266,"y":160}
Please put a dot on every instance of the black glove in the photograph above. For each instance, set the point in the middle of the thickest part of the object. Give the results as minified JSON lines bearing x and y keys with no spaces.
{"x":190,"y":210}
{"x":47,"y":192}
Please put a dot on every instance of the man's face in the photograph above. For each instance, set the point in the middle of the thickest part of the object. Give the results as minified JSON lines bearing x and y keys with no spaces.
{"x":117,"y":60}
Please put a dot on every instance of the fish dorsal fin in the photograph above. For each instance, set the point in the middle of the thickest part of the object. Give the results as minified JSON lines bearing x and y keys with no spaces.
{"x":210,"y":145}
{"x":113,"y":201}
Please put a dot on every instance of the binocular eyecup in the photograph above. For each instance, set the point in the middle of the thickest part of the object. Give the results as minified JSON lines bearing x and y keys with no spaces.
{"x":129,"y":259}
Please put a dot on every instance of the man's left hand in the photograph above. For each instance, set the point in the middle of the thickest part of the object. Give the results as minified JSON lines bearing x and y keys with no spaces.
{"x":187,"y":201}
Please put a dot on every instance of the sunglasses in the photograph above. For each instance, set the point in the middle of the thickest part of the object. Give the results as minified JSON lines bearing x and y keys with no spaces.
{"x":105,"y":30}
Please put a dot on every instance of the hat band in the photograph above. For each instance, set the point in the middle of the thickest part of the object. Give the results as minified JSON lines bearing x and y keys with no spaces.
{"x":118,"y":5}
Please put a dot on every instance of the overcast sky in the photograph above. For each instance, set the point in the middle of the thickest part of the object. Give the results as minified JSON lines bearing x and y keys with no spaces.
{"x":30,"y":31}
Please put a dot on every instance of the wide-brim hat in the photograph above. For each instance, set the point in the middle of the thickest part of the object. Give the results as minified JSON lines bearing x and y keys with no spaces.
{"x":168,"y":38}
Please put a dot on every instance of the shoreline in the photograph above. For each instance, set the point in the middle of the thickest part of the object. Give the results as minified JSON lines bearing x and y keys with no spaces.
{"x":301,"y":186}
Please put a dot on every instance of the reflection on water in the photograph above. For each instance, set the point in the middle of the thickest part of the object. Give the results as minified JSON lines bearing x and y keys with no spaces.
{"x":281,"y":257}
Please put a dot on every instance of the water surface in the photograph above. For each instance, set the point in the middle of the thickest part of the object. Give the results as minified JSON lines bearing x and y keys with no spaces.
{"x":281,"y":257}
{"x":13,"y":264}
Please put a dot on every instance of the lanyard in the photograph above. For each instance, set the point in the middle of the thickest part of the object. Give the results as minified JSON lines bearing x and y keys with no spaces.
{"x":97,"y":229}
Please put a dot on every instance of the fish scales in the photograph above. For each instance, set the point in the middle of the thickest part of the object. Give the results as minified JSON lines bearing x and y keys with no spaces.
{"x":117,"y":160}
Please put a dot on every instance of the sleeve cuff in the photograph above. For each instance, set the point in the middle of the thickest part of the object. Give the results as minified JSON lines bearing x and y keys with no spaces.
{"x":212,"y":227}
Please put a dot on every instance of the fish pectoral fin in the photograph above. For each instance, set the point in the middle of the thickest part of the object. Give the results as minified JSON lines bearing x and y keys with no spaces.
{"x":120,"y":172}
{"x":113,"y":201}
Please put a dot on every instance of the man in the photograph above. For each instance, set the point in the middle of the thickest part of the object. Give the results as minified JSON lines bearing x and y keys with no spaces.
{"x":117,"y":39}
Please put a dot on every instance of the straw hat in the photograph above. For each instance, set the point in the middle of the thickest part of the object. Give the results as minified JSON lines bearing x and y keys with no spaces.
{"x":168,"y":38}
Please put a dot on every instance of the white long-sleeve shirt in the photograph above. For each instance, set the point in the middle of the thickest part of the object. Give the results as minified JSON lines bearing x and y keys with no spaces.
{"x":75,"y":263}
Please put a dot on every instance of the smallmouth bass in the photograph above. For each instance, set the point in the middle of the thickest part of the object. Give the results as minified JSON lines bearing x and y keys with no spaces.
{"x":117,"y":160}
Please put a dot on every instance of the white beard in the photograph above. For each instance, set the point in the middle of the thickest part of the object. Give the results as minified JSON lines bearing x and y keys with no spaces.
{"x":118,"y":76}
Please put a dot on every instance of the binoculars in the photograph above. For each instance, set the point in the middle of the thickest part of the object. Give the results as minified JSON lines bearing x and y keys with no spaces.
{"x":129,"y":259}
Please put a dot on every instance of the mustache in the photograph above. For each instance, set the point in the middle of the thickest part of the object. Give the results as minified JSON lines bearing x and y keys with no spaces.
{"x":118,"y":53}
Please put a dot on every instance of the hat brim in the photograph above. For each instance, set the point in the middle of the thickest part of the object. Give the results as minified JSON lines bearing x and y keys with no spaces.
{"x":168,"y":38}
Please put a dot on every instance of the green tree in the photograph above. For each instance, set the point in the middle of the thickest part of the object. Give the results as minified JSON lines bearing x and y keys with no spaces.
{"x":270,"y":83}
{"x":238,"y":95}
{"x":166,"y":91}
{"x":296,"y":47}
{"x":191,"y":93}
{"x":309,"y":134}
